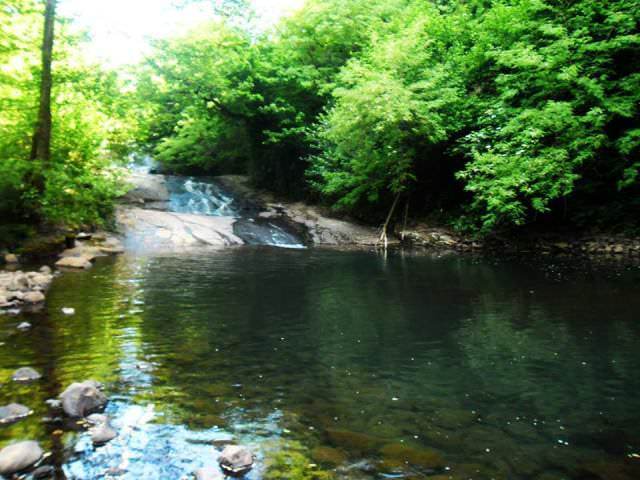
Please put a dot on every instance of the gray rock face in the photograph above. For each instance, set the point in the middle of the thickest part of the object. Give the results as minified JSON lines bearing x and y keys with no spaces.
{"x":19,"y":456}
{"x":102,"y":434}
{"x":236,"y":460}
{"x":81,"y":399}
{"x":25,"y":374}
{"x":13,"y":412}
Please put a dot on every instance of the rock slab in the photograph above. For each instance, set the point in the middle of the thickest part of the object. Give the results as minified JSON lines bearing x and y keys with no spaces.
{"x":19,"y":456}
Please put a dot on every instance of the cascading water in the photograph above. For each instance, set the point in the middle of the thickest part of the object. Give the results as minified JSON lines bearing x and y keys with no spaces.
{"x":206,"y":197}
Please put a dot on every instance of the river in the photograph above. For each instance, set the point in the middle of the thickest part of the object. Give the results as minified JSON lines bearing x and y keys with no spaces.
{"x":355,"y":364}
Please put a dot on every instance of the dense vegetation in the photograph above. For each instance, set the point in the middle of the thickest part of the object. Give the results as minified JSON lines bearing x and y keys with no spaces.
{"x":76,"y":184}
{"x":488,"y":114}
{"x":498,"y":113}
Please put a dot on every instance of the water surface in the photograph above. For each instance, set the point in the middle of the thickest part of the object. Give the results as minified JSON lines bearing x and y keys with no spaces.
{"x":366,"y":366}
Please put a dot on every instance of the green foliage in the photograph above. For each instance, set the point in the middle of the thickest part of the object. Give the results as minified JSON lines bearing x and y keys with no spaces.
{"x":289,"y":462}
{"x":91,"y":128}
{"x":510,"y":107}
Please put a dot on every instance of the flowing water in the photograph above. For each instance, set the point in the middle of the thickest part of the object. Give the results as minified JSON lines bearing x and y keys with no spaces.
{"x":207,"y":197}
{"x":350,"y":364}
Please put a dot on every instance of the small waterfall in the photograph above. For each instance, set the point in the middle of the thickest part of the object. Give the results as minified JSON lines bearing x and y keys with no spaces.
{"x":199,"y":196}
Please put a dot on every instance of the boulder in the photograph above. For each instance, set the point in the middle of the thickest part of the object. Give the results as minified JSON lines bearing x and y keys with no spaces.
{"x":19,"y":456}
{"x":81,"y":399}
{"x":74,"y":262}
{"x":45,"y":270}
{"x":25,"y":374}
{"x":39,"y":281}
{"x":33,"y":297}
{"x":13,"y":412}
{"x":11,"y":259}
{"x":102,"y":434}
{"x":18,"y":282}
{"x":236,"y":460}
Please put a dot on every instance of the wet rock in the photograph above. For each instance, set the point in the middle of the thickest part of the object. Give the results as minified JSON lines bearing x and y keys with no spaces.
{"x":81,"y":399}
{"x":209,"y":473}
{"x":19,"y":456}
{"x":13,"y":412}
{"x":74,"y":262}
{"x":25,"y":374}
{"x":24,"y":326}
{"x":328,"y":456}
{"x":45,"y":471}
{"x":236,"y":460}
{"x":400,"y":454}
{"x":102,"y":434}
{"x":97,"y":419}
{"x":45,"y":270}
{"x":34,"y":297}
{"x":69,"y":311}
{"x":84,"y":236}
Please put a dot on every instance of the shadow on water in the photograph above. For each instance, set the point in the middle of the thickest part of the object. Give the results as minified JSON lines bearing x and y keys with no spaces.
{"x":370,"y":367}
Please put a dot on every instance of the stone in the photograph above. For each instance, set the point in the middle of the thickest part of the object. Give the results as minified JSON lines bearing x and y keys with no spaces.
{"x":19,"y":456}
{"x":84,"y":236}
{"x":18,"y":282}
{"x":81,"y":399}
{"x":25,"y":374}
{"x":102,"y":434}
{"x":45,"y":471}
{"x":11,"y":259}
{"x":69,"y":311}
{"x":34,"y":297}
{"x":97,"y":419}
{"x":45,"y":269}
{"x":209,"y":473}
{"x":39,"y":281}
{"x":74,"y":262}
{"x":236,"y":460}
{"x":13,"y":412}
{"x":24,"y":326}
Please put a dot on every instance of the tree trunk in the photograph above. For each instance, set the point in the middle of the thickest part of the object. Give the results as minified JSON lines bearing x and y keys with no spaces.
{"x":41,"y":148}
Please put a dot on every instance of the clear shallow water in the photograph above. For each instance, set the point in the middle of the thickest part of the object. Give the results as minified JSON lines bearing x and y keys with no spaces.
{"x":369,"y":367}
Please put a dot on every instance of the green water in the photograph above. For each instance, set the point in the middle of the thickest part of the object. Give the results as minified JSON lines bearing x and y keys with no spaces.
{"x":348,"y":364}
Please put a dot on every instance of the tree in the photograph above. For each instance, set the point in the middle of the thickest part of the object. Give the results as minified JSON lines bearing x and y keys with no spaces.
{"x":41,"y":149}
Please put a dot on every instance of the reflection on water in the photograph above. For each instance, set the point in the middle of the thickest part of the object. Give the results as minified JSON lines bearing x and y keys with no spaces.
{"x":368,"y":367}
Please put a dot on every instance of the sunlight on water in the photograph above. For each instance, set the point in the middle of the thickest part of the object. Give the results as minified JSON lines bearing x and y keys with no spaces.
{"x":368,"y":367}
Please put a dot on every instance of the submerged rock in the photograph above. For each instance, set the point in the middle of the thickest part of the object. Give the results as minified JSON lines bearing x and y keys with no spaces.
{"x":102,"y":434}
{"x":45,"y":471}
{"x":209,"y":473}
{"x":236,"y":460}
{"x":13,"y":412}
{"x":25,"y":374}
{"x":328,"y":456}
{"x":353,"y":441}
{"x":397,"y":455}
{"x":69,"y":311}
{"x":81,"y":399}
{"x":19,"y":456}
{"x":24,"y":326}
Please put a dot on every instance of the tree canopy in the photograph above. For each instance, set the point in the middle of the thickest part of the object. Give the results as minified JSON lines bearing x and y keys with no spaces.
{"x":491,"y":114}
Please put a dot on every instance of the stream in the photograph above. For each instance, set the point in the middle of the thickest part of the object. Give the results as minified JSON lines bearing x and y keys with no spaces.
{"x":354,"y":364}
